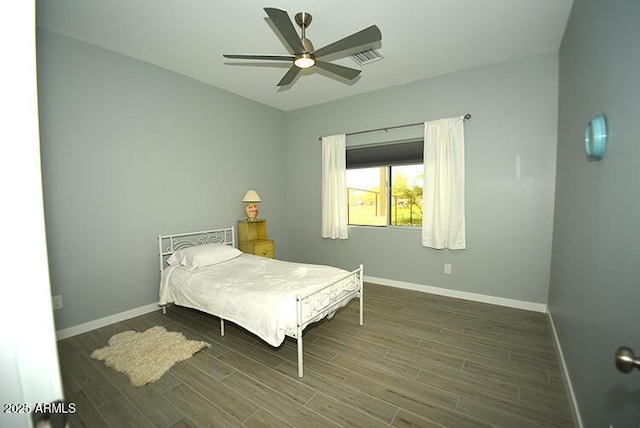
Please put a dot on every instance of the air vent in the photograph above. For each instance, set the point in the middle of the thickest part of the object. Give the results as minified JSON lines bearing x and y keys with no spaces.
{"x":365,"y":57}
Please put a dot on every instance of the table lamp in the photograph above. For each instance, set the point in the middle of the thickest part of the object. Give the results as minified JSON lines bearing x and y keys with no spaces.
{"x":251,"y":198}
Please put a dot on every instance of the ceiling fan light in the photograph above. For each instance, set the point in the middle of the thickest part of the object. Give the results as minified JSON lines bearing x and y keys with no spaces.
{"x":304,"y":60}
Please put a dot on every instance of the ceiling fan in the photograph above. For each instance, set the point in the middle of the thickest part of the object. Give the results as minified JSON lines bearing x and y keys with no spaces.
{"x":304,"y":54}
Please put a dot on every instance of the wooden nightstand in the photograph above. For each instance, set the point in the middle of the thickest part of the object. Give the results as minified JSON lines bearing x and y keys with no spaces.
{"x":252,"y":238}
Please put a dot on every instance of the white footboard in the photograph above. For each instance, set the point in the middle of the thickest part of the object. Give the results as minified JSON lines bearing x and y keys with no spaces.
{"x":324,"y":302}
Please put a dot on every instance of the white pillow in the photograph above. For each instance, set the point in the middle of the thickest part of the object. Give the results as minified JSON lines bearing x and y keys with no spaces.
{"x":203,"y":255}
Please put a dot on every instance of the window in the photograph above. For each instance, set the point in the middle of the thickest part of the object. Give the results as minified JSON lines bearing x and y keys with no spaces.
{"x":384,"y":184}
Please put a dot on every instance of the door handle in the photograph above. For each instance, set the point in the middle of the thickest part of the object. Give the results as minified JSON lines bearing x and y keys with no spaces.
{"x":626,"y":360}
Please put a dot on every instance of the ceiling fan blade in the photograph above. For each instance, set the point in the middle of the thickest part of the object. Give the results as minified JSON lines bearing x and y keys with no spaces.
{"x":267,"y":57}
{"x":346,"y":72}
{"x":364,"y":37}
{"x":288,"y":78}
{"x":283,"y":23}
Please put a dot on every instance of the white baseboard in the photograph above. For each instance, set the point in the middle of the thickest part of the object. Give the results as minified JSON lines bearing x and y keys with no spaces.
{"x":92,"y":325}
{"x":500,"y":301}
{"x":537,"y":307}
{"x":575,"y":410}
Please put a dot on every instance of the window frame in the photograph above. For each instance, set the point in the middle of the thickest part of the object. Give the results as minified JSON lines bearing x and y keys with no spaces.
{"x":388,"y":154}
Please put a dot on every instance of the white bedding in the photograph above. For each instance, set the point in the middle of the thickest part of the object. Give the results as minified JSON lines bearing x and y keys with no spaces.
{"x":256,"y":293}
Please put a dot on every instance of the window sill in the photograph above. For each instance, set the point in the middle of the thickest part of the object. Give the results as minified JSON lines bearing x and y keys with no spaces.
{"x":366,"y":226}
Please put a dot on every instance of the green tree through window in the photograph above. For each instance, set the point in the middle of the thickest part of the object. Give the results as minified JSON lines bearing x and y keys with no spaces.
{"x":407,"y":182}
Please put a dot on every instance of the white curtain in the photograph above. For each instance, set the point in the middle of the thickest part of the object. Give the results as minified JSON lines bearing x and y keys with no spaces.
{"x":334,"y":188}
{"x":443,"y":224}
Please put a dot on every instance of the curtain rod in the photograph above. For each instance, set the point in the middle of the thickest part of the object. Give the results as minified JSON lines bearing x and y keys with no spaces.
{"x":387,"y":128}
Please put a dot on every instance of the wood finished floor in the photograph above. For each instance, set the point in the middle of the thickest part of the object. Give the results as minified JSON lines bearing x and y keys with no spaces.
{"x":419,"y":360}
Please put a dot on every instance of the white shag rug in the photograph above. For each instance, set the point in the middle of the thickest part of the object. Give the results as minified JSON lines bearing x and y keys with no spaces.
{"x":146,"y":356}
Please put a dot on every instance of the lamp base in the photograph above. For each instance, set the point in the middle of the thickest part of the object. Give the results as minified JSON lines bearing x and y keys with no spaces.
{"x":252,"y":211}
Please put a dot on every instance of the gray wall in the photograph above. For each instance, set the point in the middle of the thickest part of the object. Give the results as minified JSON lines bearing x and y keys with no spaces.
{"x":129,"y":151}
{"x":509,"y":214}
{"x":595,"y":288}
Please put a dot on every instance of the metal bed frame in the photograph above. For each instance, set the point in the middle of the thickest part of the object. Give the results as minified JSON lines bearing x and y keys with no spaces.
{"x":168,"y":244}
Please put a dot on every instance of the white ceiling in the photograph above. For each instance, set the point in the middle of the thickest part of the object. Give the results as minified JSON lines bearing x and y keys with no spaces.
{"x":420,"y":38}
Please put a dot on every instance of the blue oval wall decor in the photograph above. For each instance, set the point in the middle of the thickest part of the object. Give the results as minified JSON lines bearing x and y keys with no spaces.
{"x":595,"y":137}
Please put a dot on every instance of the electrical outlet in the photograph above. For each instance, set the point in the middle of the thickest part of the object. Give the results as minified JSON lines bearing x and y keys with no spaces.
{"x":57,"y":301}
{"x":447,"y":268}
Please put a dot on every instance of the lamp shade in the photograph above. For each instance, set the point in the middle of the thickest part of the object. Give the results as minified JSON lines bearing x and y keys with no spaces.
{"x":251,"y":196}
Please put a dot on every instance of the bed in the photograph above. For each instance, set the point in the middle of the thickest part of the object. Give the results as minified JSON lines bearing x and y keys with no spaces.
{"x":271,"y":298}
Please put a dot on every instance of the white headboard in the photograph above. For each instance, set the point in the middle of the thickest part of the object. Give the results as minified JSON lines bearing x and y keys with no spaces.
{"x":167,"y":244}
